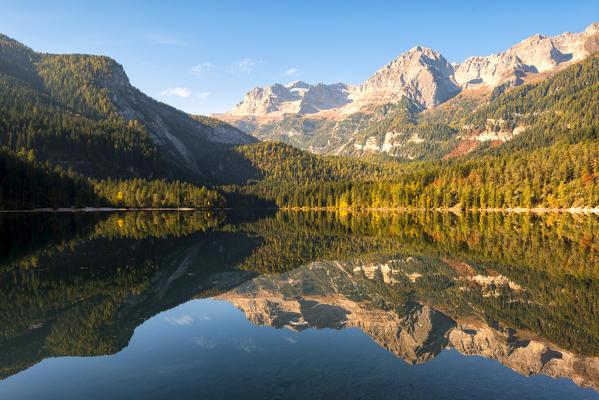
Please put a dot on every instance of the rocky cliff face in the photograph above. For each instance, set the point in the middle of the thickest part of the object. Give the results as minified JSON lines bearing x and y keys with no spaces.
{"x":536,"y":54}
{"x":296,"y":97}
{"x":523,"y":355}
{"x":420,"y":74}
{"x":331,"y":295}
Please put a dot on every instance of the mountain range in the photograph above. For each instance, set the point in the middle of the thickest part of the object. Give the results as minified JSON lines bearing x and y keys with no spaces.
{"x":75,"y":132}
{"x":328,"y":119}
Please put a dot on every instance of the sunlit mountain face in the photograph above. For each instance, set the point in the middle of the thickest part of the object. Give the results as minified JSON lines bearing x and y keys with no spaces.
{"x":293,"y":304}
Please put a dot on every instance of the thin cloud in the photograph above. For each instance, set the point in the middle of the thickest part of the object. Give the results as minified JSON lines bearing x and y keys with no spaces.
{"x":205,"y":343}
{"x":184,"y":320}
{"x":290,"y":71}
{"x":246,"y":65}
{"x":203,"y":95}
{"x":157,"y":38}
{"x":248,"y":345}
{"x":146,"y":63}
{"x":203,"y":68}
{"x":179,"y":92}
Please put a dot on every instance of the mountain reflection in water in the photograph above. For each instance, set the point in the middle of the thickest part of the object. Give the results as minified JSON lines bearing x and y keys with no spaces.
{"x":339,"y":295}
{"x":519,"y":289}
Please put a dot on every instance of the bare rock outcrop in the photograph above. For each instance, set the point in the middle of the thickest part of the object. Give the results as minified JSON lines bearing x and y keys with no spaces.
{"x":538,"y":53}
{"x":420,"y":74}
{"x":525,"y":356}
{"x":295,"y":98}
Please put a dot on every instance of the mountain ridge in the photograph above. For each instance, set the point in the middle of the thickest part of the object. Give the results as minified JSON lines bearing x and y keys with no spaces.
{"x":536,"y":54}
{"x":97,"y":88}
{"x":421,"y":76}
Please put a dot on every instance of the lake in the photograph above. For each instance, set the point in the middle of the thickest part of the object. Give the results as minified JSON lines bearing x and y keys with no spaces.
{"x":226,"y":305}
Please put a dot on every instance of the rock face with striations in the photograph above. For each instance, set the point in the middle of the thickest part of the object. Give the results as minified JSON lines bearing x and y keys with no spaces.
{"x":538,"y":53}
{"x":420,"y":74}
{"x":296,"y":97}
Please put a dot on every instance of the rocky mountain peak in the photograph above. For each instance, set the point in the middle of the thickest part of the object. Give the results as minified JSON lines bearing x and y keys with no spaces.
{"x":297,"y":85}
{"x":420,"y":74}
{"x":297,"y":97}
{"x":592,"y":29}
{"x":417,"y":56}
{"x":538,"y":53}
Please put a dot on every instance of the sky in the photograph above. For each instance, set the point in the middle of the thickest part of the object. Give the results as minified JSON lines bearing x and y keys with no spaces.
{"x":203,"y":56}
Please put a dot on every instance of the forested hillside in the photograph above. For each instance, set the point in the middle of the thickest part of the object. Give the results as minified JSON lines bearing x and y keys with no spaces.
{"x":68,"y":138}
{"x":68,"y":124}
{"x":28,"y":183}
{"x":25,"y":183}
{"x":554,"y":163}
{"x":563,"y":108}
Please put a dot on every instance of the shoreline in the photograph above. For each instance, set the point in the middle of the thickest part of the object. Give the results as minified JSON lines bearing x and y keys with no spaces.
{"x":534,"y":210}
{"x":108,"y":209}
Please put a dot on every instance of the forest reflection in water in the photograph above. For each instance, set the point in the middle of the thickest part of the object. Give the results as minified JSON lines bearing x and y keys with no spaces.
{"x":517,"y":288}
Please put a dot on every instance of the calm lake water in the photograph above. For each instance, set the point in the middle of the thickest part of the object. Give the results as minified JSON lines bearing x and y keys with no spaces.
{"x":298,"y":305}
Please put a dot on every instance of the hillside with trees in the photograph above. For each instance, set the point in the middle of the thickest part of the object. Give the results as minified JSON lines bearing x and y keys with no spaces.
{"x":66,"y":140}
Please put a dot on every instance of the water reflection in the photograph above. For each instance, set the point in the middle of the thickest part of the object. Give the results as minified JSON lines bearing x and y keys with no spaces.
{"x":338,"y":295}
{"x":518,"y":289}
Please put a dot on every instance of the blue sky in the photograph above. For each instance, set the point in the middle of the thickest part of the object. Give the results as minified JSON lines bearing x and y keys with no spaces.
{"x":203,"y":56}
